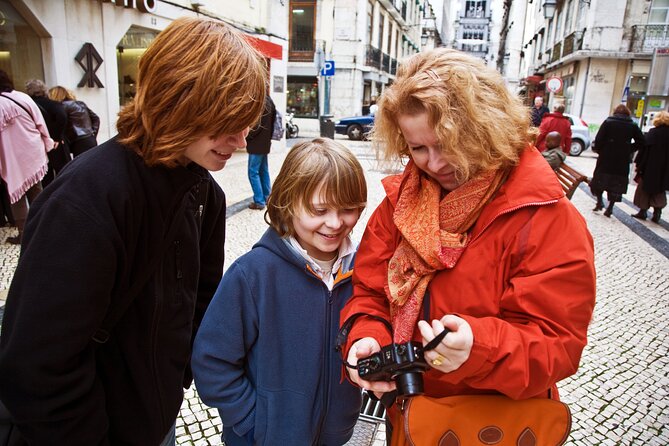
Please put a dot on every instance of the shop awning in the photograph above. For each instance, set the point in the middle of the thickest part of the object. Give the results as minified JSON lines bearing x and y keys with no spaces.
{"x":535,"y":79}
{"x":267,"y":48}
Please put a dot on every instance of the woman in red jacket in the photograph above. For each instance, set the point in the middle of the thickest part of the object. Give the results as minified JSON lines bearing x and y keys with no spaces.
{"x":475,"y":236}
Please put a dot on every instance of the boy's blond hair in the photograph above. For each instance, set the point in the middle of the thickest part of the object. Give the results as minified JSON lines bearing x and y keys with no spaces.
{"x":308,"y":167}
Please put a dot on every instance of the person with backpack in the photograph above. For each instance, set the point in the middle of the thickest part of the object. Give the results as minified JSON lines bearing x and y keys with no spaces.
{"x":100,"y":318}
{"x":258,"y":145}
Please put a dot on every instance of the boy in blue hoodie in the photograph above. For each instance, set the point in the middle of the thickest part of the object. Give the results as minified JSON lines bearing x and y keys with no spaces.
{"x":264,"y":355}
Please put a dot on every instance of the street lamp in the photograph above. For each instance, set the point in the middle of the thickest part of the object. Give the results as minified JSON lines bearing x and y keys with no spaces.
{"x":549,"y":8}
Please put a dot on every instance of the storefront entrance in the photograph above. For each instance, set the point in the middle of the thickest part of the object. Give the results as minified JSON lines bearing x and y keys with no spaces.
{"x":20,"y":49}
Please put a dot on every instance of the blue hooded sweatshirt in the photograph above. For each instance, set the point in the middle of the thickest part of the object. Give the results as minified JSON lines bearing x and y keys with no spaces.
{"x":264,"y":355}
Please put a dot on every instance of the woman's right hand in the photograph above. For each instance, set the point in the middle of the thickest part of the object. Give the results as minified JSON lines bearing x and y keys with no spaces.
{"x":363,"y":348}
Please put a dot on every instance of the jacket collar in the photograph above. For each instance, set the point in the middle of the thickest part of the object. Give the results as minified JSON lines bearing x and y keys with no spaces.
{"x":531,"y":183}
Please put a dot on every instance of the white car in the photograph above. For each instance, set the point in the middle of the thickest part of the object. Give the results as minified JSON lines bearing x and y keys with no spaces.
{"x":580,"y":135}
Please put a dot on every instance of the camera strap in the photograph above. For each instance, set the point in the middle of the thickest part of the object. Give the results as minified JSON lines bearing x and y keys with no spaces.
{"x":345,"y":329}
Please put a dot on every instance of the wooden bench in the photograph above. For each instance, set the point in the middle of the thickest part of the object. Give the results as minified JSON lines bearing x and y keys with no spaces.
{"x":570,"y":178}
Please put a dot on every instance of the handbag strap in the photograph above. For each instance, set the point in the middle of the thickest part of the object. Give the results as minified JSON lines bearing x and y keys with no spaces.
{"x":20,"y":105}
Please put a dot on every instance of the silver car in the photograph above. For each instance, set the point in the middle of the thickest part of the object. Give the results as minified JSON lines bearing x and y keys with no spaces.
{"x":580,"y":135}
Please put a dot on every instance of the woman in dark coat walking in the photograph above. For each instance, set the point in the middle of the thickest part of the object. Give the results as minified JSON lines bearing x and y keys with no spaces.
{"x":652,"y":166}
{"x":614,"y":145}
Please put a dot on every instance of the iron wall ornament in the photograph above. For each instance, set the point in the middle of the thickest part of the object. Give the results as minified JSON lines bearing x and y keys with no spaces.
{"x":90,"y":60}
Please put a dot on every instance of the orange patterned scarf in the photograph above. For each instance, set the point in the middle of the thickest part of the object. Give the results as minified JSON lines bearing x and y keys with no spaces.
{"x":434,"y":235}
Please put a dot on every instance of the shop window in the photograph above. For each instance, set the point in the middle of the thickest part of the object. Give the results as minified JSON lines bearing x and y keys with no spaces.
{"x":302,"y":27}
{"x":302,"y":98}
{"x":568,"y":88}
{"x":128,"y":51}
{"x":20,"y":49}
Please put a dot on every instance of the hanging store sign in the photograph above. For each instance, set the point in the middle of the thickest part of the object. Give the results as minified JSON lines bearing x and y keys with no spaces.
{"x":554,"y":84}
{"x":142,"y":5}
{"x":90,"y":60}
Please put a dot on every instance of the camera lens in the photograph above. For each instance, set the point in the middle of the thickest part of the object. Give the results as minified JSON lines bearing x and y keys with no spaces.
{"x":409,"y":383}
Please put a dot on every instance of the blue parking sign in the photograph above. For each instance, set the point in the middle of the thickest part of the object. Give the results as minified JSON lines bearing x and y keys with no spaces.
{"x":328,"y":68}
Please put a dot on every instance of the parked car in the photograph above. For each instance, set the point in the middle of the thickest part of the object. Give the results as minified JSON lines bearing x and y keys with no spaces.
{"x":580,"y":135}
{"x":356,"y":127}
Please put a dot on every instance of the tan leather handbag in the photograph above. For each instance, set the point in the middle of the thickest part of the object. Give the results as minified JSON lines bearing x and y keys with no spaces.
{"x":472,"y":420}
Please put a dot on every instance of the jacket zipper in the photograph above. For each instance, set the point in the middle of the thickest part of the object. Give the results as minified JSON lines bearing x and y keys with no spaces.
{"x":513,"y":209}
{"x":157,"y":315}
{"x":326,"y":367}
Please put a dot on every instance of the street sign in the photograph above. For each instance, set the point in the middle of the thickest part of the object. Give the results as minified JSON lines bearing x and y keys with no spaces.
{"x":554,"y":84}
{"x":328,"y":68}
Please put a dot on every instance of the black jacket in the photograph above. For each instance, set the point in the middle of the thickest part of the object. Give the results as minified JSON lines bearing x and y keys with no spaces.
{"x":82,"y":122}
{"x":614,"y":145}
{"x":55,"y":116}
{"x":89,"y":237}
{"x":653,"y":160}
{"x":259,"y":140}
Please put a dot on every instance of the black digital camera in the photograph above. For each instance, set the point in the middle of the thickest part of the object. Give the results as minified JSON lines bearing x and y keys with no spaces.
{"x":403,"y":363}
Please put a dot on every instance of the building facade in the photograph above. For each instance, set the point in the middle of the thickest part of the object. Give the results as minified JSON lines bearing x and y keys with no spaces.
{"x":364,"y":38}
{"x":92,"y":46}
{"x":600,"y":52}
{"x":472,"y":26}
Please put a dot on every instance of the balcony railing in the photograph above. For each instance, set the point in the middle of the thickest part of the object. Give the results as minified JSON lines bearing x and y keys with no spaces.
{"x":573,"y":42}
{"x":374,"y":57}
{"x":645,"y":38}
{"x":556,"y":53}
{"x":386,"y":63}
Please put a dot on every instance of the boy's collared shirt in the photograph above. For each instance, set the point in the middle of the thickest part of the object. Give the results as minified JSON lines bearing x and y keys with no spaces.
{"x":347,"y":248}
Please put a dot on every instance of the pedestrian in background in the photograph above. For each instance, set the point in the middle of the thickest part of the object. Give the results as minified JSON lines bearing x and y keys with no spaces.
{"x":616,"y":141}
{"x":652,"y":166}
{"x":258,"y":145}
{"x":555,"y":122}
{"x":538,"y":111}
{"x":55,"y":117}
{"x":264,"y":355}
{"x":124,"y":250}
{"x":466,"y":240}
{"x":82,"y":122}
{"x":24,"y":143}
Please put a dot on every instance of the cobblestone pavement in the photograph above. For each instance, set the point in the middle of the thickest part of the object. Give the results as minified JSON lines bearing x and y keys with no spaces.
{"x":620,"y":394}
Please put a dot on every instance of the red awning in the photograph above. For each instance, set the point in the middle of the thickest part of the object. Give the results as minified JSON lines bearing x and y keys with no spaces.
{"x":268,"y":49}
{"x":534,"y":79}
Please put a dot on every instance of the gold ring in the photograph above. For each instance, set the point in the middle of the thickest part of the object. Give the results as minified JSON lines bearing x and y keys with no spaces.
{"x":439,"y":360}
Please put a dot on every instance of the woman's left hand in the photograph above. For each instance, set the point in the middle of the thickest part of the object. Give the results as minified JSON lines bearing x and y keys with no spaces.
{"x":454,"y":349}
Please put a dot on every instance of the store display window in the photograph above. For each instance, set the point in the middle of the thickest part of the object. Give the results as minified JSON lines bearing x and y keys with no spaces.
{"x":302,"y":96}
{"x":128,"y":51}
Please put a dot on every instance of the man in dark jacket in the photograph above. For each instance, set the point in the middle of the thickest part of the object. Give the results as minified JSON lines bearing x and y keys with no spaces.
{"x":55,"y":117}
{"x":538,"y":111}
{"x":98,"y":328}
{"x":258,"y":145}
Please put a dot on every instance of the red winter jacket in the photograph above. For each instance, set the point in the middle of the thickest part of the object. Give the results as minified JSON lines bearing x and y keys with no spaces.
{"x":555,"y":122}
{"x":525,"y":284}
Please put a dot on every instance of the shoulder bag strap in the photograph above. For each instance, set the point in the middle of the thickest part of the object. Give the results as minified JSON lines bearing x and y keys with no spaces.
{"x":20,"y":105}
